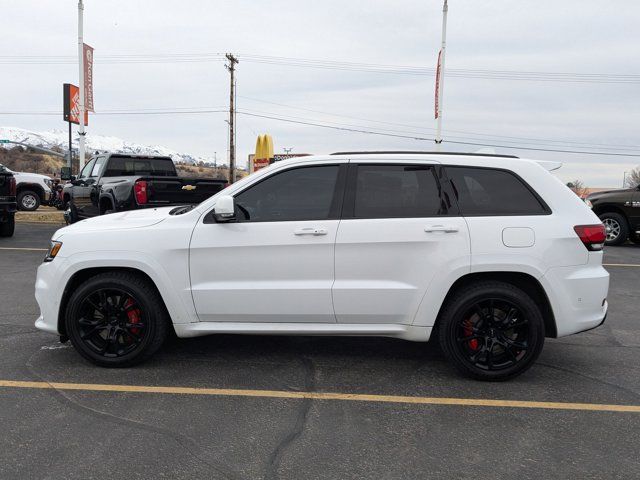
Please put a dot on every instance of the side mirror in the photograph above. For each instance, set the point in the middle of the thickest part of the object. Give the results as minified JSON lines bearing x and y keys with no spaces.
{"x":224,"y":211}
{"x":65,"y":173}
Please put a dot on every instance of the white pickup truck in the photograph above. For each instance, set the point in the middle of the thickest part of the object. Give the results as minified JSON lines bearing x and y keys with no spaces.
{"x":33,"y":190}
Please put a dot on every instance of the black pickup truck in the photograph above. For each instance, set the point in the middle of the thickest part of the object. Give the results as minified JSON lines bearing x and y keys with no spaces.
{"x":8,"y":205}
{"x":619,"y":210}
{"x":118,"y":182}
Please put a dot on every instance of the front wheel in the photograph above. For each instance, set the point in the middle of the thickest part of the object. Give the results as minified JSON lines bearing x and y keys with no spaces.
{"x":28,"y":201}
{"x":491,"y":331}
{"x":116,"y":319}
{"x":616,"y":228}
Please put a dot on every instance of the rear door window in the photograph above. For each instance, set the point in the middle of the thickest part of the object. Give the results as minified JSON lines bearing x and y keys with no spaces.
{"x":493,"y":192}
{"x":395,"y":191}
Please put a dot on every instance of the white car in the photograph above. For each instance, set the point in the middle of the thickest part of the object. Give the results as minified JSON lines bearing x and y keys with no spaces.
{"x":32,"y":190}
{"x":489,"y":253}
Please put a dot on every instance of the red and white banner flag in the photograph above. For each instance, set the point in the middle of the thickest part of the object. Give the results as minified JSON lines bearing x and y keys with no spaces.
{"x":437,"y":103}
{"x":87,"y":55}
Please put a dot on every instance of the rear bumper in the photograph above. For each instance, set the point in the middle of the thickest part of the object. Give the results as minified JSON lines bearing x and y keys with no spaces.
{"x":578,"y":297}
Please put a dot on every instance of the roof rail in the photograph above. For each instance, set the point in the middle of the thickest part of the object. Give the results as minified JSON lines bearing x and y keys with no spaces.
{"x":391,"y":152}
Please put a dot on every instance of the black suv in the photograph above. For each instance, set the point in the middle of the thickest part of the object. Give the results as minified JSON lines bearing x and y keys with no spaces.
{"x":8,"y":203}
{"x":619,"y":210}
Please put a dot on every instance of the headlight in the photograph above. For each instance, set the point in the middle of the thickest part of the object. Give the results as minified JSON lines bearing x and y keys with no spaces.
{"x":49,"y":182}
{"x":53,"y":251}
{"x":588,"y":203}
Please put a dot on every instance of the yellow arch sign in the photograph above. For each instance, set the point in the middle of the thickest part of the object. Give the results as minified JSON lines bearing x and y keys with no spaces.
{"x":264,"y":152}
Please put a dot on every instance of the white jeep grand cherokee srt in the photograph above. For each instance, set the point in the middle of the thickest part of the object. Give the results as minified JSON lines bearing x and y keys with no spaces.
{"x":490,"y":253}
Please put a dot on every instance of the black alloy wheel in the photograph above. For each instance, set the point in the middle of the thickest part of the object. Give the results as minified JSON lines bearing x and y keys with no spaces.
{"x":116,"y":319}
{"x":111,"y":322}
{"x":491,"y":331}
{"x":493,"y":334}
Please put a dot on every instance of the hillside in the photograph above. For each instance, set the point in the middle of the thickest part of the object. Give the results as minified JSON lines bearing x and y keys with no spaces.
{"x":58,"y":140}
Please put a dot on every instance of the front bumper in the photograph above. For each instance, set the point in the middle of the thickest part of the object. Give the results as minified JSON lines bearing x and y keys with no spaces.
{"x":49,"y":288}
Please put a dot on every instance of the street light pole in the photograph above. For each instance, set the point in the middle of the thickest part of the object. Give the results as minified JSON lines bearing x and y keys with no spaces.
{"x":440,"y":79}
{"x":81,"y":132}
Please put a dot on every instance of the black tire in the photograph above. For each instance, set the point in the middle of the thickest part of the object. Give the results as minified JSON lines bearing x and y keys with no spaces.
{"x":617,"y":228}
{"x":491,"y":331}
{"x":99,"y":322}
{"x":8,"y":227}
{"x":635,"y":238}
{"x":28,"y":200}
{"x":73,"y":213}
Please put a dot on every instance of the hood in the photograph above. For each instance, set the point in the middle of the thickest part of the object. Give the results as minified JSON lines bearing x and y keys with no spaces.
{"x":608,"y":192}
{"x":32,"y":175}
{"x":119,"y":221}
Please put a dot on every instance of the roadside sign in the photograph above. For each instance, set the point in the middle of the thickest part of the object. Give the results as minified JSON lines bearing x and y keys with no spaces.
{"x":5,"y":141}
{"x":71,"y":105}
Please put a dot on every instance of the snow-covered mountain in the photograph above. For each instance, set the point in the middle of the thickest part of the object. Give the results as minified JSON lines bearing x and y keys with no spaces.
{"x":60,"y":139}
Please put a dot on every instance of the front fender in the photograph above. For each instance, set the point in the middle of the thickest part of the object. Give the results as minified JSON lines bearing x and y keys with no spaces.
{"x":174,"y":289}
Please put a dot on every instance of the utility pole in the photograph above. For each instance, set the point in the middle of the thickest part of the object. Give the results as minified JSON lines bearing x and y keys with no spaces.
{"x":232,"y":117}
{"x":287,"y":150}
{"x":440,"y":77}
{"x":81,"y":131}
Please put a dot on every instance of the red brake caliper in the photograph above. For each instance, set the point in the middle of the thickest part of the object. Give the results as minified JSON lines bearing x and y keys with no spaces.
{"x":467,"y":328}
{"x":133,"y":314}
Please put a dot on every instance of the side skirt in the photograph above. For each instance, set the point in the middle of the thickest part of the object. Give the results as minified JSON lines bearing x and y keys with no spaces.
{"x":405,"y":332}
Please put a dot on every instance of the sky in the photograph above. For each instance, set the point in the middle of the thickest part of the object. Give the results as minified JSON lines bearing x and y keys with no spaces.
{"x":134,"y":40}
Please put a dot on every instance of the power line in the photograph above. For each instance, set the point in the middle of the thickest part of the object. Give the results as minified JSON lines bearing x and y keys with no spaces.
{"x":421,"y":129}
{"x":360,"y":129}
{"x":499,"y":74}
{"x":412,"y":137}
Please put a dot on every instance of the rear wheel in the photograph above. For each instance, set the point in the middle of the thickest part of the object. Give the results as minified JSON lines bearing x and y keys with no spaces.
{"x":8,"y":227}
{"x":491,"y":331}
{"x":635,"y":238}
{"x":616,"y":227}
{"x":116,"y":319}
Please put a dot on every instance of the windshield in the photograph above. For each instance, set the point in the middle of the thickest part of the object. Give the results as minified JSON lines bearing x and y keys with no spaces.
{"x":4,"y":169}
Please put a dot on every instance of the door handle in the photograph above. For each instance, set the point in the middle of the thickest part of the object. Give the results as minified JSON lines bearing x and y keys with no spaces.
{"x":441,"y":228}
{"x":310,"y":231}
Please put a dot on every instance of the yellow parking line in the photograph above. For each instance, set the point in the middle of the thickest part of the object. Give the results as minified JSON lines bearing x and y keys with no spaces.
{"x":620,"y":265}
{"x":354,"y":397}
{"x":25,"y":249}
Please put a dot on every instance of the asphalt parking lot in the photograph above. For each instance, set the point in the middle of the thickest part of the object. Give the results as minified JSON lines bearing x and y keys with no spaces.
{"x":249,"y":412}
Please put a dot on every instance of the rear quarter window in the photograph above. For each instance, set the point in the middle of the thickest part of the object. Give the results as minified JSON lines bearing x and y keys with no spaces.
{"x":493,"y":192}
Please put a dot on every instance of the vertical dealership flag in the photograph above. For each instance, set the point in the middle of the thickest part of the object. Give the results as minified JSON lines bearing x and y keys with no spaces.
{"x":437,"y":103}
{"x":87,"y":55}
{"x":71,"y":107}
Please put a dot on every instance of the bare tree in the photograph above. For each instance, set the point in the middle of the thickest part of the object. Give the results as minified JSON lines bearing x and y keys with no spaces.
{"x":578,"y":188}
{"x":632,"y":179}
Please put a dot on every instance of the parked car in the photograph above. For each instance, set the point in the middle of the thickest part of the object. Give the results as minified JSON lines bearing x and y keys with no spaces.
{"x":619,"y":210}
{"x":7,"y":202}
{"x":488,"y":254}
{"x":116,"y":182}
{"x":33,"y":190}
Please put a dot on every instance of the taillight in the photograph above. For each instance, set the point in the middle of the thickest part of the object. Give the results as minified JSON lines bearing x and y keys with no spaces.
{"x":140,"y":191}
{"x":593,"y":236}
{"x":12,"y":186}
